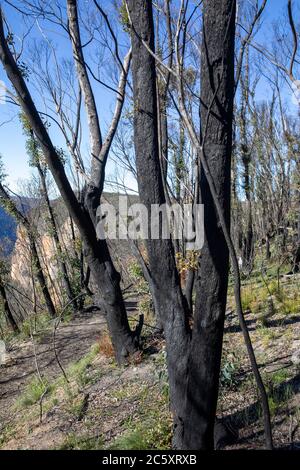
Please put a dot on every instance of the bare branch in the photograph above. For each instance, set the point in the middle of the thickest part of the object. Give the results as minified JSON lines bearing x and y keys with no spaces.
{"x":295,"y":37}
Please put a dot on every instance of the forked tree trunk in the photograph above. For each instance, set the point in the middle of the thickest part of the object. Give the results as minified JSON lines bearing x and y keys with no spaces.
{"x":193,"y":364}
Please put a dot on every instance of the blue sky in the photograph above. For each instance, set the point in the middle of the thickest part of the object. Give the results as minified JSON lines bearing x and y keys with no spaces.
{"x":12,"y":140}
{"x":12,"y":143}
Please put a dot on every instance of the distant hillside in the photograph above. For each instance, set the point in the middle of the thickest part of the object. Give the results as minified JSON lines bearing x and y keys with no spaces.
{"x":8,"y":224}
{"x":7,"y":231}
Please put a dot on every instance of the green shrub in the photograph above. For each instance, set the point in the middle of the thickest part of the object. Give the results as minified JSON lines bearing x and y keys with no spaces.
{"x":228,"y":375}
{"x":155,"y":433}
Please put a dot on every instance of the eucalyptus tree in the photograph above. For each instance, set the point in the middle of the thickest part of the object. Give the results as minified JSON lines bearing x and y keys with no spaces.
{"x":193,"y":355}
{"x":96,"y":251}
{"x":283,"y":59}
{"x":7,"y":310}
{"x":193,"y":350}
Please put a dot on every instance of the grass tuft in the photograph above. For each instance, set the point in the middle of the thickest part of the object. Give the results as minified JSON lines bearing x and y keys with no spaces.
{"x":34,"y":391}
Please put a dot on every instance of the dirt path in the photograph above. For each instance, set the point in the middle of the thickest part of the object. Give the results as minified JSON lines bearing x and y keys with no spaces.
{"x":94,"y":412}
{"x":73,"y":341}
{"x":116,"y":400}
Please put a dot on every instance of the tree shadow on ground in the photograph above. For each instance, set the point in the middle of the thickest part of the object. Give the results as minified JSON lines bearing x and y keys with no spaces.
{"x":251,"y":324}
{"x":283,"y":362}
{"x":251,"y":414}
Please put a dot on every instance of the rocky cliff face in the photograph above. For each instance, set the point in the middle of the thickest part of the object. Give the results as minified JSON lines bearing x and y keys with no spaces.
{"x":21,"y":271}
{"x":21,"y":262}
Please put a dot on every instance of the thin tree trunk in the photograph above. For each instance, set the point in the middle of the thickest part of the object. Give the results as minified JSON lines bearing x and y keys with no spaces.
{"x":268,"y":248}
{"x":246,"y":160}
{"x":217,"y":93}
{"x":189,"y":288}
{"x":39,"y":274}
{"x":7,"y":311}
{"x":172,"y":307}
{"x":54,"y":232}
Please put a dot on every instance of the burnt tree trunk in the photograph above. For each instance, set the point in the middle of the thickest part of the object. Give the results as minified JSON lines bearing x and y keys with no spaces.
{"x":11,"y":322}
{"x":54,"y":232}
{"x":217,"y":94}
{"x":171,"y":305}
{"x":193,"y":357}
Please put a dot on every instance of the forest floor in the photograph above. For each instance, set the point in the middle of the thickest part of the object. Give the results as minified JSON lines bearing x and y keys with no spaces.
{"x":90,"y":403}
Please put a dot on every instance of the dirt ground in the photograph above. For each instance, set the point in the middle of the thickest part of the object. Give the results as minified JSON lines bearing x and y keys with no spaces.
{"x":73,"y":341}
{"x":114,"y":400}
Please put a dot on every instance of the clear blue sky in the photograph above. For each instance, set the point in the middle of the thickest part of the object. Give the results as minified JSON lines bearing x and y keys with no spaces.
{"x":12,"y":144}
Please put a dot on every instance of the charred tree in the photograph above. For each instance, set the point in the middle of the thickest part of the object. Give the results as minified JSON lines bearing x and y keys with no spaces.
{"x":193,"y":356}
{"x":96,"y":251}
{"x":217,"y":94}
{"x":171,"y":304}
{"x":11,"y":322}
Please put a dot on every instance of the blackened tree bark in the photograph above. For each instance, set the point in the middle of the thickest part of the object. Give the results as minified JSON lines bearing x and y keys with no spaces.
{"x":193,"y":357}
{"x":6,"y":307}
{"x":217,"y":93}
{"x":171,"y":304}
